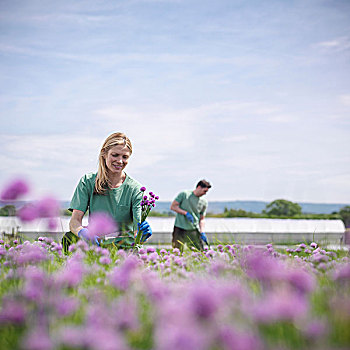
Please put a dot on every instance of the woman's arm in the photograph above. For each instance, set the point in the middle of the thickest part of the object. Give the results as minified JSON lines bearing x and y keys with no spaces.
{"x":76,"y":221}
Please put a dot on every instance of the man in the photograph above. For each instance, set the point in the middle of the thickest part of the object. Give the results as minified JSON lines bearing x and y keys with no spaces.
{"x":190,"y":210}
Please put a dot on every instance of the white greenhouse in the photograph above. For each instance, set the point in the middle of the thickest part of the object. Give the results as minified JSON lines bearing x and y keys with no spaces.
{"x":228,"y":230}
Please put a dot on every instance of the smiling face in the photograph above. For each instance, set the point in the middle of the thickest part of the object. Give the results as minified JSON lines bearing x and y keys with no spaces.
{"x":117,"y":159}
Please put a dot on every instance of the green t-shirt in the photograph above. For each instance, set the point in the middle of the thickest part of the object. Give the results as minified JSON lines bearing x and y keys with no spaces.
{"x":122,"y":203}
{"x":197,"y":206}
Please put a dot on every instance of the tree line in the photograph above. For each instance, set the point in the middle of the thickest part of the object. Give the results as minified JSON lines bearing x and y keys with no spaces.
{"x":278,"y":209}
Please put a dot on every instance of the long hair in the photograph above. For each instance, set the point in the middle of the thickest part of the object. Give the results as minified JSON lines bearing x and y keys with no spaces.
{"x":102,"y":181}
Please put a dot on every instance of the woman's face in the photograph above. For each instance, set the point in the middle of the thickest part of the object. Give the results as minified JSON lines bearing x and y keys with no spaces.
{"x":117,"y":158}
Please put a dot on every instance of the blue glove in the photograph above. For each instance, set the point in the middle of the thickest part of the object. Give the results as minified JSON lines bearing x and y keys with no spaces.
{"x":204,"y":237}
{"x":146,"y":231}
{"x":189,"y":217}
{"x":84,"y":234}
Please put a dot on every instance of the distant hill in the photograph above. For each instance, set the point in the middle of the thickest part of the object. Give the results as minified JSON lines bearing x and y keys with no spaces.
{"x":217,"y":207}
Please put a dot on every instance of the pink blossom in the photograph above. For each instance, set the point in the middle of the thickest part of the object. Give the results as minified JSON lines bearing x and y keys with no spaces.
{"x":281,"y":306}
{"x":127,"y":314}
{"x":31,"y":254}
{"x":105,"y":260}
{"x":34,"y":287}
{"x":263,"y":267}
{"x":12,"y":312}
{"x":72,"y":274}
{"x":316,"y":329}
{"x":300,"y":279}
{"x":66,"y":306}
{"x":14,"y":190}
{"x":204,"y":302}
{"x":28,"y":213}
{"x":180,"y":335}
{"x":47,"y":207}
{"x":101,"y":224}
{"x":121,"y":276}
{"x":232,"y":339}
{"x":342,"y":273}
{"x":38,"y":339}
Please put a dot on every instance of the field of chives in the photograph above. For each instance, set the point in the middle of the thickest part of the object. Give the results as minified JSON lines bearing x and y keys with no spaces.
{"x":227,"y":297}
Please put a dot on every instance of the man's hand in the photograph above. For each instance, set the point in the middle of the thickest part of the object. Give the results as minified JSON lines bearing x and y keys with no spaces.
{"x":146,"y":231}
{"x":84,"y":234}
{"x":204,"y":237}
{"x":189,"y":217}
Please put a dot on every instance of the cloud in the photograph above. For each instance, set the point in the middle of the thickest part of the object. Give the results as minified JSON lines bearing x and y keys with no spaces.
{"x":336,"y":45}
{"x":345,"y":99}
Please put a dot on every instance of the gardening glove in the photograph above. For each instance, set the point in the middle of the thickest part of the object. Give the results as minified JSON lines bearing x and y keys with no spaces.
{"x":189,"y":217}
{"x":84,"y":235}
{"x":204,"y":237}
{"x":146,"y":230}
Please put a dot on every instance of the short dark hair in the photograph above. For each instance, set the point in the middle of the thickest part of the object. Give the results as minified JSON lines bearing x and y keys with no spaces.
{"x":204,"y":184}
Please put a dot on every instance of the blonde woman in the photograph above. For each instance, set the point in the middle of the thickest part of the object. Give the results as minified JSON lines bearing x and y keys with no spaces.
{"x":110,"y":190}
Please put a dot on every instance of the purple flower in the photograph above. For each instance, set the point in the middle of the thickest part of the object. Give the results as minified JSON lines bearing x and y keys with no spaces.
{"x":204,"y":302}
{"x":232,"y":339}
{"x":121,"y":276}
{"x":181,"y":335}
{"x":150,"y":250}
{"x":14,"y":190}
{"x":72,"y":274}
{"x":127,"y":318}
{"x":12,"y":312}
{"x":38,"y":339}
{"x":301,"y":280}
{"x":342,"y":273}
{"x":101,"y":224}
{"x":34,"y":284}
{"x":281,"y":306}
{"x":31,"y":254}
{"x":263,"y":267}
{"x":66,"y":306}
{"x":143,"y":189}
{"x":47,"y":207}
{"x":28,"y":213}
{"x":316,"y":329}
{"x":105,"y":260}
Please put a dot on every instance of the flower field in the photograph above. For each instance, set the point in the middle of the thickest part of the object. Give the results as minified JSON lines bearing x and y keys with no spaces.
{"x":230,"y":297}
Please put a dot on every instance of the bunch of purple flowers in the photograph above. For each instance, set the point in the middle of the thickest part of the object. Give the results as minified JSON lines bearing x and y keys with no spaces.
{"x":147,"y":203}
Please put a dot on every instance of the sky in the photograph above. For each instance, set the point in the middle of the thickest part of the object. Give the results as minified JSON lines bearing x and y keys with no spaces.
{"x":253,"y":96}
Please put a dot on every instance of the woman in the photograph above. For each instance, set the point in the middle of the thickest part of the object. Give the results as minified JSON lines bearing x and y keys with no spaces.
{"x":110,"y":190}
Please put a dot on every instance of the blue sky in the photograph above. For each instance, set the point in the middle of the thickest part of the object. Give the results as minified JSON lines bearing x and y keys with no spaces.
{"x":252,"y":95}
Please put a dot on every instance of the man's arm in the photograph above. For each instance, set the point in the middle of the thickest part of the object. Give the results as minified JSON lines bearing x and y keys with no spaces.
{"x":201,"y":224}
{"x":175,"y":206}
{"x":76,"y":221}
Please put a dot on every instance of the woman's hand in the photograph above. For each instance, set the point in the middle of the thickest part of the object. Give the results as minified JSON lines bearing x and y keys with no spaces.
{"x":86,"y":236}
{"x":146,"y":230}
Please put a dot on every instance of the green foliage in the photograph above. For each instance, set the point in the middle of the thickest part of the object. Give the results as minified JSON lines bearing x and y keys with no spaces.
{"x":163,"y":214}
{"x":344,"y":214}
{"x":282,"y":207}
{"x":240,"y":213}
{"x":8,"y":210}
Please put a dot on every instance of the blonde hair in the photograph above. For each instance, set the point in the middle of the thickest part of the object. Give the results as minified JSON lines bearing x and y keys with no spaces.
{"x":102,"y":182}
